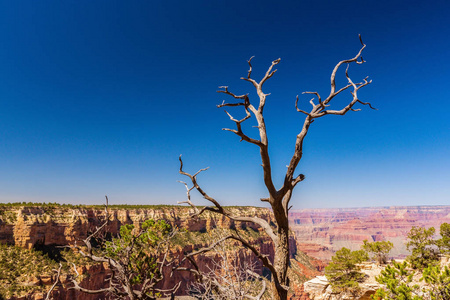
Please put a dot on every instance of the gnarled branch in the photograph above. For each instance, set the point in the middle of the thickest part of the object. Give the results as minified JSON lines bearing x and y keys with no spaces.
{"x":123,"y":255}
{"x":320,"y":110}
{"x":58,"y":274}
{"x":217,"y":208}
{"x":279,"y":198}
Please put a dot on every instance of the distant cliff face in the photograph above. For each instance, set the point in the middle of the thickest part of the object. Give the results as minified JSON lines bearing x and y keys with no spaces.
{"x":63,"y":225}
{"x":321,"y":232}
{"x":37,"y":226}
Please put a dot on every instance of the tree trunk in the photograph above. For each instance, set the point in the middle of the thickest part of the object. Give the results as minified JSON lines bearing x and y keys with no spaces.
{"x":281,"y":259}
{"x":281,"y":262}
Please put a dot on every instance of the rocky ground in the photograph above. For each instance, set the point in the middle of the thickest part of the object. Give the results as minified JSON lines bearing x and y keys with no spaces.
{"x":319,"y":288}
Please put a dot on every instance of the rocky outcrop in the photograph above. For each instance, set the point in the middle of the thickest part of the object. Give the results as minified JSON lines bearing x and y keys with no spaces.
{"x":319,"y":288}
{"x":324,"y":231}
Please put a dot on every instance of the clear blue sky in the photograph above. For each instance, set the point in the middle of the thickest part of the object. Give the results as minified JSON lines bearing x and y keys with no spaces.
{"x":100,"y":97}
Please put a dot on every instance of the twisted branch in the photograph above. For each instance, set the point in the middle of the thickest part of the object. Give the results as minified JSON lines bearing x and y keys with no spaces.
{"x":217,"y":207}
{"x":58,"y":274}
{"x":264,"y":258}
{"x":121,"y":283}
{"x":278,"y":199}
{"x":320,"y":110}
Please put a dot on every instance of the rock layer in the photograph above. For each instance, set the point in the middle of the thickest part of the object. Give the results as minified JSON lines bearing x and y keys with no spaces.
{"x":324,"y":231}
{"x":49,"y":226}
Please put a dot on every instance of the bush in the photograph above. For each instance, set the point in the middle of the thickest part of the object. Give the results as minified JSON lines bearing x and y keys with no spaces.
{"x":398,"y":281}
{"x":17,"y":266}
{"x":424,"y":251}
{"x":343,"y":272}
{"x":444,"y":242}
{"x":379,"y":250}
{"x":439,"y":282}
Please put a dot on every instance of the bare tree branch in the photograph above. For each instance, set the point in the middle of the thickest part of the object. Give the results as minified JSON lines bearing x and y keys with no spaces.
{"x":298,"y":109}
{"x":250,"y":73}
{"x":77,"y":287}
{"x":225,"y":91}
{"x":218,"y":208}
{"x":136,"y":259}
{"x":319,"y":110}
{"x":263,"y":288}
{"x":298,"y":179}
{"x":246,"y":105}
{"x":58,"y":274}
{"x":258,"y":113}
{"x":230,"y":276}
{"x":279,"y":198}
{"x":269,"y":72}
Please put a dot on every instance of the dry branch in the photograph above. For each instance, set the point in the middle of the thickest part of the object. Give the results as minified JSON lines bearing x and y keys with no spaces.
{"x":120,"y":256}
{"x":278,"y":198}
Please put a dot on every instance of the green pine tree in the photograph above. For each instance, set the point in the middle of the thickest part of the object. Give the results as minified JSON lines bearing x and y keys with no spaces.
{"x":378,"y":250}
{"x":344,"y":273}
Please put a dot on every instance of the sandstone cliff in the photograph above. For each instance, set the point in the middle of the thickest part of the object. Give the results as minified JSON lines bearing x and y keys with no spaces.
{"x":47,"y":226}
{"x":27,"y":227}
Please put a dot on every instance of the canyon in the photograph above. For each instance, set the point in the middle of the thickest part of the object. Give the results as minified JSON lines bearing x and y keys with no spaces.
{"x":316,"y":232}
{"x":47,"y":227}
{"x":321,"y":232}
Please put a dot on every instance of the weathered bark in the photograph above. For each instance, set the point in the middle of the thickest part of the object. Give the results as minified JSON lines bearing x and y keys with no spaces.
{"x":281,"y":259}
{"x":277,"y":198}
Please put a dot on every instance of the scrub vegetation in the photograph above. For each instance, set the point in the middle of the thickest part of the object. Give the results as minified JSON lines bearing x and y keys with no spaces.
{"x":422,"y":276}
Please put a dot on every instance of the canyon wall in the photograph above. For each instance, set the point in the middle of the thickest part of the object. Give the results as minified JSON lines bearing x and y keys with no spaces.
{"x":28,"y":226}
{"x":318,"y":232}
{"x":49,"y":226}
{"x":321,"y":232}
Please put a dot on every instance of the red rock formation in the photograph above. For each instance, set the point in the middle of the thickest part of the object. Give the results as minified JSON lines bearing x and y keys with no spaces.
{"x":30,"y":227}
{"x":299,"y":294}
{"x":323,"y":231}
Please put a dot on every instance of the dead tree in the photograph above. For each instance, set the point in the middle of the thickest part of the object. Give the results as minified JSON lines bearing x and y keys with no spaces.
{"x":278,"y":198}
{"x":230,"y":276}
{"x":136,"y":260}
